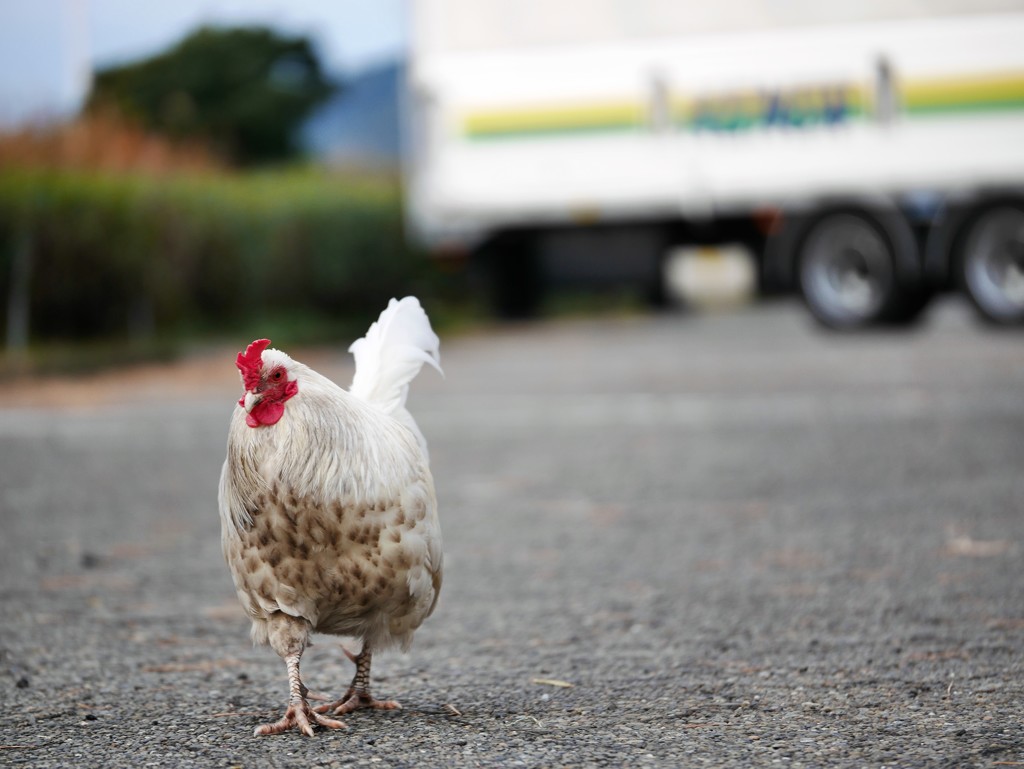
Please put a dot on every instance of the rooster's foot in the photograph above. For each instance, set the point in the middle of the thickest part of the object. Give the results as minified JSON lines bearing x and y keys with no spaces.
{"x":299,"y":716}
{"x":354,"y":700}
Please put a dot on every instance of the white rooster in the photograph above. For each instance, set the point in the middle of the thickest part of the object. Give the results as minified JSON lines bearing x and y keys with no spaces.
{"x":328,"y":513}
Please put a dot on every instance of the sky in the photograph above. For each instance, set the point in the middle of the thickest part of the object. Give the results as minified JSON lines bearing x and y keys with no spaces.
{"x":48,"y":47}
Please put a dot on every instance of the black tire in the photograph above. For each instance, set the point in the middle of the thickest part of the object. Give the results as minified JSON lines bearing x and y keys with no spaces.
{"x":852,"y":269}
{"x":991,"y":263}
{"x":656,"y":290}
{"x":514,"y":276}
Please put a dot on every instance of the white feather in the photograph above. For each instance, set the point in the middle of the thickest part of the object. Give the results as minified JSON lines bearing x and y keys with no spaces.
{"x":390,"y":356}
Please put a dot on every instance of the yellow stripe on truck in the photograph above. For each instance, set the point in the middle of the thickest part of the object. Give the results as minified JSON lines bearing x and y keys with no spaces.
{"x":745,"y":110}
{"x":598,"y":116}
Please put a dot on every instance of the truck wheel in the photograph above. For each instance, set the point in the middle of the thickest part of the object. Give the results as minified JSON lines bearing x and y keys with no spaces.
{"x":514,"y":274}
{"x":848,"y":273}
{"x":992,"y":264}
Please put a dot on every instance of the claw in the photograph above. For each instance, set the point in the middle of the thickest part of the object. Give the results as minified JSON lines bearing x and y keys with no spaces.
{"x":357,"y":701}
{"x":298,"y":716}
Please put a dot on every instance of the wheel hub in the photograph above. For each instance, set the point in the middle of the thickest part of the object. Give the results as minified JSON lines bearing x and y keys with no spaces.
{"x":994,"y":263}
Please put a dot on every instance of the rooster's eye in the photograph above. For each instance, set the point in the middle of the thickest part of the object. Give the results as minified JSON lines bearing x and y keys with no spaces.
{"x":276,"y":376}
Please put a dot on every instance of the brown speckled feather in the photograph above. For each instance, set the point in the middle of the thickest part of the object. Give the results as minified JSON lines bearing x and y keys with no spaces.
{"x":347,"y":569}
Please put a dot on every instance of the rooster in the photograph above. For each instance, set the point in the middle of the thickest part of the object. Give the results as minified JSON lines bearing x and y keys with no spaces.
{"x":327,"y":506}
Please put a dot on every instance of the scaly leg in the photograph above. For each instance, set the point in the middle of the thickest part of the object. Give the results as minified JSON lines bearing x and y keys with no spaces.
{"x":299,"y":714}
{"x":358,"y":694}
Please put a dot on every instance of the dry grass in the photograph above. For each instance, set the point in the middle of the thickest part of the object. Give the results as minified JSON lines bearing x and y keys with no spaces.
{"x":102,"y":142}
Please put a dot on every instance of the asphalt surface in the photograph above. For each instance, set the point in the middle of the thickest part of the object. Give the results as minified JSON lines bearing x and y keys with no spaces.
{"x":739,"y":540}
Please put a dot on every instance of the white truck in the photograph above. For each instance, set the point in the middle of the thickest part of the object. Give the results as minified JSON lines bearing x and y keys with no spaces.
{"x":868,"y":153}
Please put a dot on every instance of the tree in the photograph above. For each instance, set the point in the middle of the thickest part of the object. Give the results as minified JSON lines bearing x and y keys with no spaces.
{"x":244,"y":89}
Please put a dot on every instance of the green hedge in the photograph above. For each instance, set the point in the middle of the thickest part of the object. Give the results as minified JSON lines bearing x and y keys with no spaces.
{"x":113,"y":256}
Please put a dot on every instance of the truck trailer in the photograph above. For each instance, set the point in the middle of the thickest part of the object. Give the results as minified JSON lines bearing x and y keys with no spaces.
{"x":868,"y":154}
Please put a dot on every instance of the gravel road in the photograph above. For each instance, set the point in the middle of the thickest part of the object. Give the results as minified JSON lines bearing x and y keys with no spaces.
{"x":728,"y":540}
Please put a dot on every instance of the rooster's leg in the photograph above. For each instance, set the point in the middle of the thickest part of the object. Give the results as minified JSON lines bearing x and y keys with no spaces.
{"x":358,"y":694}
{"x":299,"y":714}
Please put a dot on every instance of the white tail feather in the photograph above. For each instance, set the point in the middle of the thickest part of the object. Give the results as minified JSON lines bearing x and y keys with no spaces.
{"x":391,"y":354}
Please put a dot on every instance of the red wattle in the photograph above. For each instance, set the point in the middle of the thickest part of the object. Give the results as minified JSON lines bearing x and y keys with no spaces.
{"x":265,"y":413}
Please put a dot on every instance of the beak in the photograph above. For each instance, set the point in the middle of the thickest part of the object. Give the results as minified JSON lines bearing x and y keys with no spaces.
{"x":251,"y":400}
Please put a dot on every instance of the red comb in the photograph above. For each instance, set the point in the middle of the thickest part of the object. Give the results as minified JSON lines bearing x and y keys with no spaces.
{"x":251,"y":361}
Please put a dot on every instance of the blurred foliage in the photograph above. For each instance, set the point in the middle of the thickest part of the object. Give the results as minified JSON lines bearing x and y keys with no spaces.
{"x":145,"y":257}
{"x":243,"y":89}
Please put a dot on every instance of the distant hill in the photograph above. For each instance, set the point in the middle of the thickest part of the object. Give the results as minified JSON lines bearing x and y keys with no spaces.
{"x":359,"y":126}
